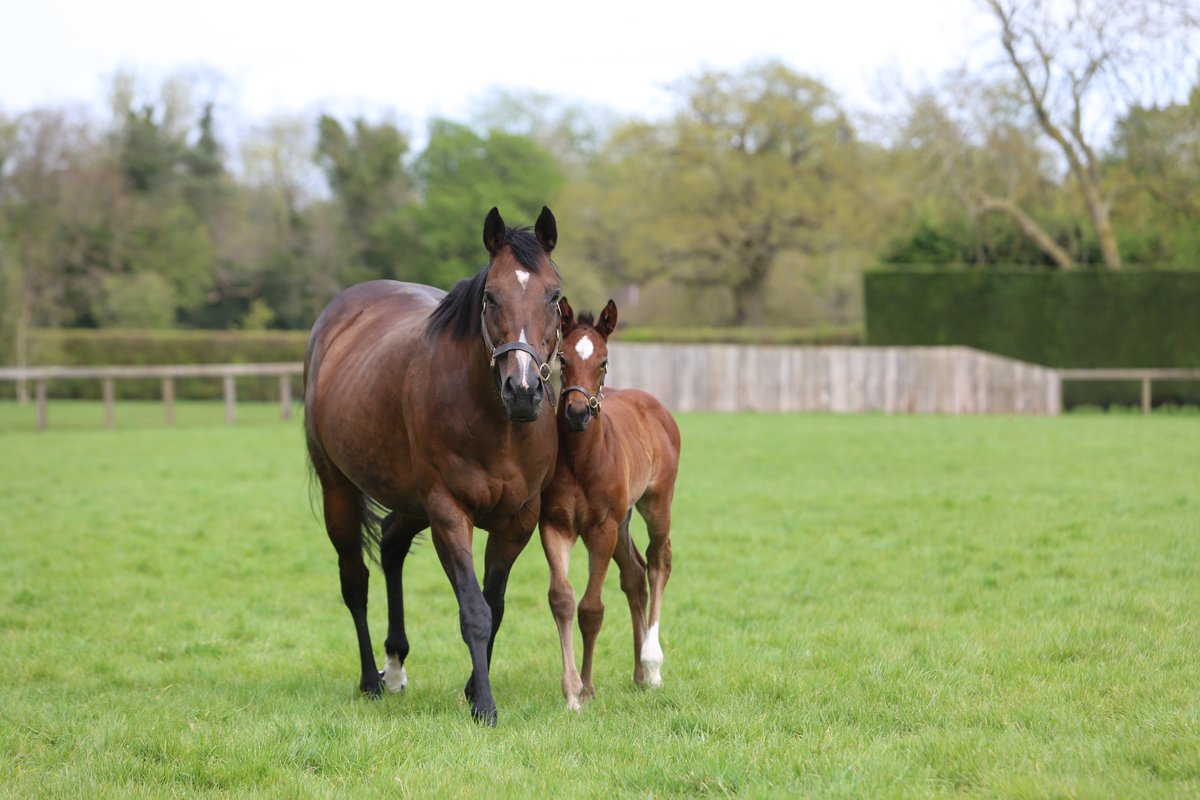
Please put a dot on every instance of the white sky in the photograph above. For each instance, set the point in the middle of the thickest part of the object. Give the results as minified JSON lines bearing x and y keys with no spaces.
{"x":416,"y":60}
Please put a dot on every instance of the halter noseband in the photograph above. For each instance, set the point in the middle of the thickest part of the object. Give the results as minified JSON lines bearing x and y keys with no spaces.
{"x":594,"y":401}
{"x":544,"y":368}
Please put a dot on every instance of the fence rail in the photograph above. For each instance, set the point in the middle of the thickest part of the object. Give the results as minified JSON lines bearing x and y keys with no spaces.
{"x":167,"y":373}
{"x":725,"y":377}
{"x":1146,"y":376}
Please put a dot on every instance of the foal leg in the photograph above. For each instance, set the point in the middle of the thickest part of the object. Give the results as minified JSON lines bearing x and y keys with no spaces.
{"x":452,"y":530}
{"x":633,"y":584}
{"x":600,"y":544}
{"x":398,"y":533}
{"x":557,"y":543}
{"x":657,"y":513}
{"x":343,"y":521}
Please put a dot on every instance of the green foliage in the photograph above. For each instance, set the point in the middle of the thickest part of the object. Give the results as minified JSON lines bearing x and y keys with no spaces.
{"x":141,"y":300}
{"x":461,"y":174}
{"x":80,"y":347}
{"x":860,"y":606}
{"x":841,"y":335}
{"x":1059,"y":319}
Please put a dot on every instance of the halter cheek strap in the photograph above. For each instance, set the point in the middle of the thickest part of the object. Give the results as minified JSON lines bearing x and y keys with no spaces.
{"x":544,"y":368}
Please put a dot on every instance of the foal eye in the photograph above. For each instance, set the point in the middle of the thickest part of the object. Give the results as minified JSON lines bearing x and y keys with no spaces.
{"x":604,"y":366}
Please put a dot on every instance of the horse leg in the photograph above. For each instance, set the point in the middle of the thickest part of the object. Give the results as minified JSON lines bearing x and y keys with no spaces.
{"x":600,"y":544}
{"x":343,"y":523}
{"x":452,"y":530}
{"x":657,"y":513}
{"x":503,"y":547}
{"x":398,"y":533}
{"x":633,"y":584}
{"x":557,"y":542}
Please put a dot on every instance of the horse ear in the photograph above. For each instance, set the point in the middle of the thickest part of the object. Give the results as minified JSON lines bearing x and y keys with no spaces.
{"x":567,"y":314}
{"x":608,"y":320}
{"x":546,"y":230}
{"x":493,"y":232}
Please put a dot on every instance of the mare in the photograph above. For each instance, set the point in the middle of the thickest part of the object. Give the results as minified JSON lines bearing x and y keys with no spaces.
{"x":616,"y":451}
{"x":409,"y":405}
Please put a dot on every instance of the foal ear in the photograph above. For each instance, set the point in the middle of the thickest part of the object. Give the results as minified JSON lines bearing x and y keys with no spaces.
{"x":608,"y":320}
{"x":567,"y":315}
{"x":493,"y":232}
{"x":546,"y":230}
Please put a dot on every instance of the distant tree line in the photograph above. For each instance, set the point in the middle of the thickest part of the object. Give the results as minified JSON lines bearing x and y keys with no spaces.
{"x":759,"y":201}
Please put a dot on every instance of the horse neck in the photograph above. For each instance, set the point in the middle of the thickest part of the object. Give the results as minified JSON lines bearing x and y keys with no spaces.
{"x":581,"y":448}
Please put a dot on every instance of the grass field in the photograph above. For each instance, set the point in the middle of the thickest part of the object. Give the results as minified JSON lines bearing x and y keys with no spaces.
{"x":861,"y":607}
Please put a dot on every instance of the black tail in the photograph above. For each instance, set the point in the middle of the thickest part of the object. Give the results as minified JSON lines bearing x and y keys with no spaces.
{"x":375,"y":520}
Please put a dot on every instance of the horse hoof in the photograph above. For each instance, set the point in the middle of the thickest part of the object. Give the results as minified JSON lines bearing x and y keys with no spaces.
{"x":372,"y":688}
{"x":485,"y":716}
{"x":394,"y":678}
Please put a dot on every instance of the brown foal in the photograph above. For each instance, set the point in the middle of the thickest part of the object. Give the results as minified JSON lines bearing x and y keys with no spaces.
{"x":616,"y":451}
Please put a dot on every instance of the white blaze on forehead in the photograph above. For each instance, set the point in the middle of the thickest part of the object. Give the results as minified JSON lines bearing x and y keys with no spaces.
{"x":523,"y":277}
{"x":585,"y":348}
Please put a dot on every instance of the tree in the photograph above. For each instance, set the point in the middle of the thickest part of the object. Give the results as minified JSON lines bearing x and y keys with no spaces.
{"x":1072,"y":60}
{"x":754,"y":166}
{"x":460,"y":175}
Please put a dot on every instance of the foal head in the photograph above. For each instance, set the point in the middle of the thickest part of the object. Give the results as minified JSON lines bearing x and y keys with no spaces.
{"x":584,"y":359}
{"x":520,"y":318}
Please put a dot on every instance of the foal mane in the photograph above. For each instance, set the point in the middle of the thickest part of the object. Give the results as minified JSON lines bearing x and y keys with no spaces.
{"x":458,"y":312}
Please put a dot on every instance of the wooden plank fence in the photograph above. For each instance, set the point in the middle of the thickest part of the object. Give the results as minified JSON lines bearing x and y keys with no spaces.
{"x":724,"y":377}
{"x":890,"y":380}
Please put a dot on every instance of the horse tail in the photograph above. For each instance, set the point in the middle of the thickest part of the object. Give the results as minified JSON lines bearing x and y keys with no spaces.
{"x":375,"y":520}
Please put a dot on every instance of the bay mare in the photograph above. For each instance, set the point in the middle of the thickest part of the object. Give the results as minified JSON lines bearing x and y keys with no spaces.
{"x":412,"y":404}
{"x":618,"y":449}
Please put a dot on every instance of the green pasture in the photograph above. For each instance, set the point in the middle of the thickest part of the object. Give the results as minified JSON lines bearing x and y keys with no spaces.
{"x":862,"y":606}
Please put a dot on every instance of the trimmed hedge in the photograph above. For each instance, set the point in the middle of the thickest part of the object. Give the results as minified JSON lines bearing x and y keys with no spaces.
{"x":81,"y":347}
{"x":1059,"y":319}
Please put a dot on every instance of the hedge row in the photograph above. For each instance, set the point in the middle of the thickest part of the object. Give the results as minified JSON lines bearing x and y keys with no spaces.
{"x":1059,"y":319}
{"x":77,"y":347}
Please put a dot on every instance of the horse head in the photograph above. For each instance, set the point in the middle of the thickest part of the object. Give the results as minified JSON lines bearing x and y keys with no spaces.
{"x":584,"y":359}
{"x":520,"y":311}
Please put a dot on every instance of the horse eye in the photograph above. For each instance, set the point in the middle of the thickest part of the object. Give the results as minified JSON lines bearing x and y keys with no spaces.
{"x":489,"y":299}
{"x":604,"y":366}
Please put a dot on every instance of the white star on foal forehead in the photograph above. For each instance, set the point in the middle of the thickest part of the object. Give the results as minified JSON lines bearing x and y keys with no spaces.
{"x":585,"y":348}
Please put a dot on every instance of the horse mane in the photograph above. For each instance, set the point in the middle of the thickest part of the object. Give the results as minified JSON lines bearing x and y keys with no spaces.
{"x":586,"y":318}
{"x":458,"y":312}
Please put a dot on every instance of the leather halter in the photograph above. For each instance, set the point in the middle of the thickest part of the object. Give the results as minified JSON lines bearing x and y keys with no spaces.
{"x":494,"y":352}
{"x":594,"y":401}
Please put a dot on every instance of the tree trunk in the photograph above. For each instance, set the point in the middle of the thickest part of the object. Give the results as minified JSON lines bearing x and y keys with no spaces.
{"x":1030,"y":228}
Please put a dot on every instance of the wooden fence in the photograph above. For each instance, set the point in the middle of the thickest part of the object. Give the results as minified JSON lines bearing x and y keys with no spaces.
{"x":167,"y":374}
{"x":891,"y":380}
{"x":726,"y":377}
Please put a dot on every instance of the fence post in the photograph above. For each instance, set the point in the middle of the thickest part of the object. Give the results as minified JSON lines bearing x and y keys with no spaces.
{"x":1146,"y":395}
{"x":40,"y":392}
{"x":107,"y":389}
{"x":285,"y":396}
{"x":168,"y":397}
{"x":230,"y":400}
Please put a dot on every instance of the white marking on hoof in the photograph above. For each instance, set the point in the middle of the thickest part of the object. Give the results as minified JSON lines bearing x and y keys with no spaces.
{"x":652,"y":658}
{"x":523,"y":277}
{"x":585,"y":348}
{"x":573,"y":704}
{"x":394,"y":676}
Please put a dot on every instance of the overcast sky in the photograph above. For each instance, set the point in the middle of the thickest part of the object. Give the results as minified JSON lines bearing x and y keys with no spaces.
{"x":416,"y":60}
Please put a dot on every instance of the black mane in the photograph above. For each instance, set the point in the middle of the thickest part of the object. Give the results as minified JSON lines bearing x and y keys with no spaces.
{"x":458,"y":313}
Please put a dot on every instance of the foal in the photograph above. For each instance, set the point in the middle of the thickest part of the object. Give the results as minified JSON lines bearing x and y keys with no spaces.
{"x":608,"y":461}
